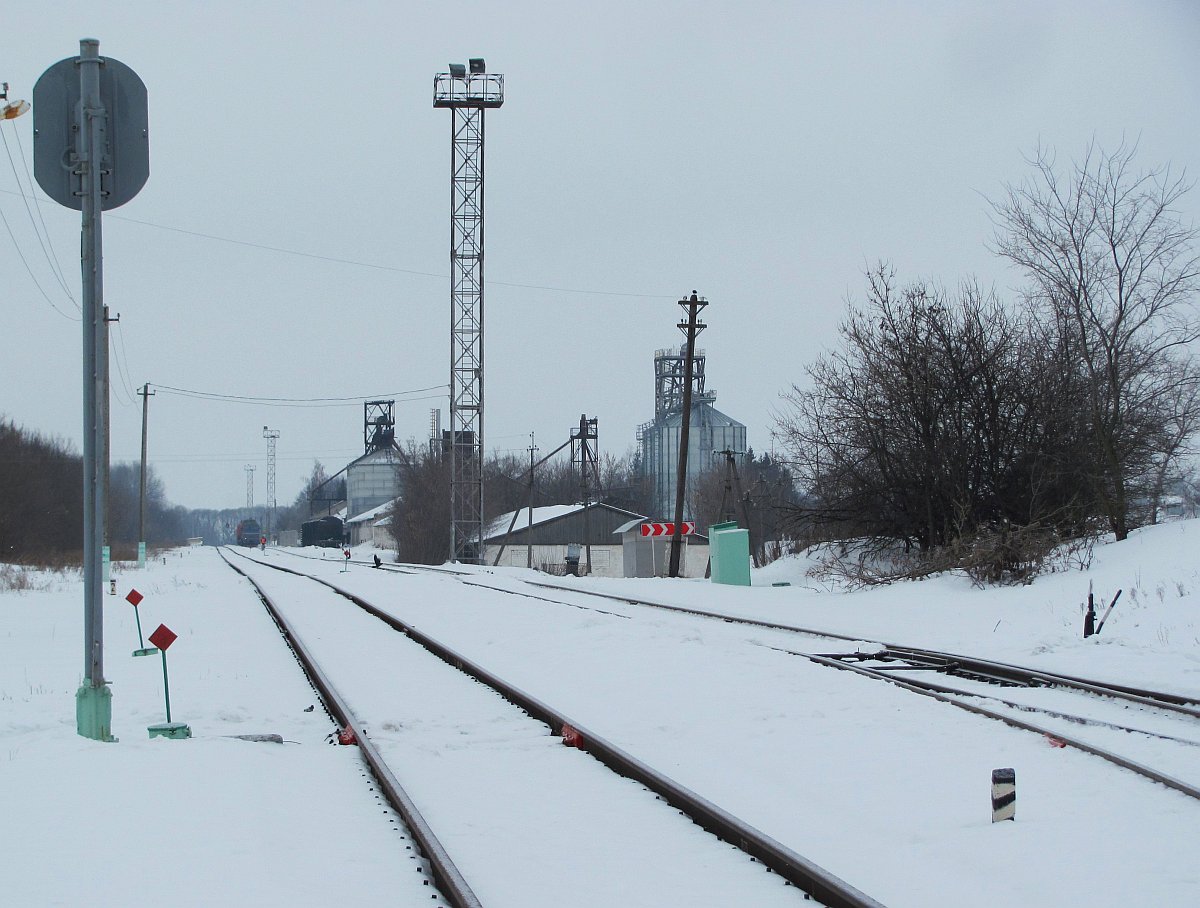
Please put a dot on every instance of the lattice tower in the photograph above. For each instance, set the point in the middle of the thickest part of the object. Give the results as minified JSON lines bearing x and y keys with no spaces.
{"x":467,"y":96}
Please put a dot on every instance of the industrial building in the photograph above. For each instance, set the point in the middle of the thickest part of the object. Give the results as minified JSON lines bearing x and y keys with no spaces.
{"x":659,"y":441}
{"x":373,"y":479}
{"x":540,"y":538}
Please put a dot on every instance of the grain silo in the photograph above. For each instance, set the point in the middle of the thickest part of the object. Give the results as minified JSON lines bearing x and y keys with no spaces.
{"x":711,"y":430}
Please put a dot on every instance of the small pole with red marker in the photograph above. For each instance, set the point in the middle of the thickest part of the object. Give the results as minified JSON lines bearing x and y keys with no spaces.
{"x":133,"y":598}
{"x":163,"y":637}
{"x":346,"y":555}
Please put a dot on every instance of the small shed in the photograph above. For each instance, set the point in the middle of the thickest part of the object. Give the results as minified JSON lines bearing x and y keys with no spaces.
{"x":539,"y":538}
{"x":650,"y":556}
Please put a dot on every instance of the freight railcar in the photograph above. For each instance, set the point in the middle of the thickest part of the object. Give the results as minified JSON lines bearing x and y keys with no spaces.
{"x":327,"y":532}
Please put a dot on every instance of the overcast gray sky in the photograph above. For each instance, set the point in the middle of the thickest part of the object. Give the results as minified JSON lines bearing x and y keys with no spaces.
{"x":759,"y":153}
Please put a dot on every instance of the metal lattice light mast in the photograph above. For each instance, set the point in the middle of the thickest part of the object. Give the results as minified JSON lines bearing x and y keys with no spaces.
{"x":271,"y":435}
{"x":249,"y":486}
{"x":467,"y":95}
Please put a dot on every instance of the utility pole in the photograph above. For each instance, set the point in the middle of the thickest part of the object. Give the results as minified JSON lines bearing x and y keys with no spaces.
{"x":734,"y":481}
{"x":585,"y":456}
{"x":759,"y":500}
{"x":517,"y":513}
{"x":692,"y":327}
{"x":145,"y":394}
{"x":88,"y":151}
{"x":533,"y":449}
{"x":91,"y":154}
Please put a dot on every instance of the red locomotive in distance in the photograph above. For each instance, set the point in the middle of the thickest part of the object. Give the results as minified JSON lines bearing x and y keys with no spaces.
{"x":248,"y":533}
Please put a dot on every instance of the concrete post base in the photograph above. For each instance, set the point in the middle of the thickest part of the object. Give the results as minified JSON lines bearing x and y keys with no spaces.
{"x":93,"y":712}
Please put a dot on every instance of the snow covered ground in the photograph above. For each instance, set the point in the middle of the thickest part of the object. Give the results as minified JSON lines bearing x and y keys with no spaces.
{"x":886,"y":789}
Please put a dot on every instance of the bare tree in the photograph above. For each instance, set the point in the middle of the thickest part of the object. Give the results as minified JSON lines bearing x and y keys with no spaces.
{"x":420,"y":523}
{"x":1115,"y":270}
{"x":1177,"y":426}
{"x":943,"y":424}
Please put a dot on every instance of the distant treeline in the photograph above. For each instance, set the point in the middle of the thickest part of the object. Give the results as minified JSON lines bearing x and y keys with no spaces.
{"x":41,"y":501}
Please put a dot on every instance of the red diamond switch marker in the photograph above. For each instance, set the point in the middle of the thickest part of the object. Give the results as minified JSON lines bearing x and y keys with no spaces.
{"x":163,"y":637}
{"x":134,"y":598}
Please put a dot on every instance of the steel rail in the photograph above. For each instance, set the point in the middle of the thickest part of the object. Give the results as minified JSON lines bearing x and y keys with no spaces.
{"x":1166,"y":700}
{"x":1158,"y":699}
{"x":810,"y":878}
{"x":859,"y":658}
{"x":951,"y":696}
{"x":446,"y":875}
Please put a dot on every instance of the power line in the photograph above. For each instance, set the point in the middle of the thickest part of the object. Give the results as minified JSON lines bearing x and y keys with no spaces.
{"x":375,"y":265}
{"x":123,"y":363}
{"x":47,"y":247}
{"x":300,"y":456}
{"x":32,"y":277}
{"x":379,"y":267}
{"x":302,"y":401}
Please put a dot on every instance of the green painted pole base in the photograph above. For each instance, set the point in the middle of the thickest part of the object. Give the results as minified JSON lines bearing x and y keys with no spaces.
{"x":93,"y":712}
{"x":169,"y":730}
{"x":142,"y":555}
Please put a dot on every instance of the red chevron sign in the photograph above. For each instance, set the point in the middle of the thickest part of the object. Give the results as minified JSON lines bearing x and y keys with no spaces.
{"x":667,"y":529}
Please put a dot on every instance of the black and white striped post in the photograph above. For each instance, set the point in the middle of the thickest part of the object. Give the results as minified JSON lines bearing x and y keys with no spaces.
{"x":1004,"y":794}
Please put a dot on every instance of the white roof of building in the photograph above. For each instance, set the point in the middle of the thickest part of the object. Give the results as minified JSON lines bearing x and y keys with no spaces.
{"x":368,"y":516}
{"x":540,"y":515}
{"x":378,"y":456}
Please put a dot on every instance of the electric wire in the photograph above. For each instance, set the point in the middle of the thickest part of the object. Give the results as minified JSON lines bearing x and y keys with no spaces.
{"x":377,"y":266}
{"x":123,"y":363}
{"x":299,"y":457}
{"x":359,"y":264}
{"x":306,"y":401}
{"x":32,"y":276}
{"x":47,"y":247}
{"x":119,"y":389}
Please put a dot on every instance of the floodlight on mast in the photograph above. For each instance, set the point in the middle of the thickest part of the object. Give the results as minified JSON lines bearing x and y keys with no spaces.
{"x":12,"y":109}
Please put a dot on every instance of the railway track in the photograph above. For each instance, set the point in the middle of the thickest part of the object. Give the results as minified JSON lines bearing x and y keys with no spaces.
{"x":812,"y":880}
{"x":449,"y":880}
{"x":965,"y":682}
{"x":1006,"y":709}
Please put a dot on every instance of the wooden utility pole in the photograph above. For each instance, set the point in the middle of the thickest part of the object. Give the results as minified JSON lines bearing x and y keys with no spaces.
{"x":533,"y":449}
{"x":145,"y":394}
{"x":733,"y":482}
{"x":517,"y":513}
{"x":692,"y":327}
